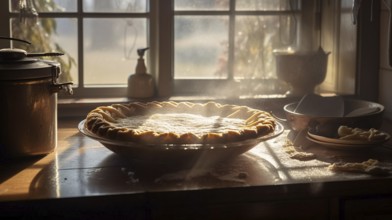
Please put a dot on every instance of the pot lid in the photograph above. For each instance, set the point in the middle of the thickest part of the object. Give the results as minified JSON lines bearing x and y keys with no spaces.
{"x":18,"y":64}
{"x":14,"y":66}
{"x":28,"y":68}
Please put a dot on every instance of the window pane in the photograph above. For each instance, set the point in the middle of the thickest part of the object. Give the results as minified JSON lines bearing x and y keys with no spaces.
{"x":48,"y":5}
{"x":201,"y":47}
{"x":66,"y":38}
{"x":194,"y":5}
{"x":256,"y":38}
{"x":110,"y":49}
{"x":48,"y":35}
{"x":115,"y":5}
{"x":264,"y":5}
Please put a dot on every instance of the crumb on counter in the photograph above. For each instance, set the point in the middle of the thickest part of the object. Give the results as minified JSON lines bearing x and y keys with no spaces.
{"x":369,"y":167}
{"x":298,"y":155}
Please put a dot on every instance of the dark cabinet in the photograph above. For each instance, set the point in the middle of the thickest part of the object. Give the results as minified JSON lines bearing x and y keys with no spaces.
{"x":282,"y":209}
{"x":374,"y":208}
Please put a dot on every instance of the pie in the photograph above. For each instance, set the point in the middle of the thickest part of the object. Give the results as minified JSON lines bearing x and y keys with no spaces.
{"x":169,"y":122}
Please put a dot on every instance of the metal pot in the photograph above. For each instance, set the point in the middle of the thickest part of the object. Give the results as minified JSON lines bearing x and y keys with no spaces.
{"x":28,"y":105}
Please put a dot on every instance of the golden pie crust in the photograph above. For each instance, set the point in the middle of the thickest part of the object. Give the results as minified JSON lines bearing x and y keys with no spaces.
{"x":170,"y":122}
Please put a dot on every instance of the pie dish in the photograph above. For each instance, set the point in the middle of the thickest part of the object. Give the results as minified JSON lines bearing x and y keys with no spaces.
{"x":187,"y":155}
{"x":170,"y":122}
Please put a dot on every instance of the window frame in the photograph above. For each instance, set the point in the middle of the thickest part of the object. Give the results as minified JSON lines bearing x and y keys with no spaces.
{"x":159,"y":61}
{"x":160,"y":58}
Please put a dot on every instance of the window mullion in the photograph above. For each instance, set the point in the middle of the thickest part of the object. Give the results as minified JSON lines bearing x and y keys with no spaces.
{"x":80,"y":44}
{"x":165,"y":47}
{"x":231,"y":38}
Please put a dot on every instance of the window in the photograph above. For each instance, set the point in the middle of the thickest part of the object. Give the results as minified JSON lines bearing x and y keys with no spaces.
{"x":208,"y":47}
{"x":226,"y":47}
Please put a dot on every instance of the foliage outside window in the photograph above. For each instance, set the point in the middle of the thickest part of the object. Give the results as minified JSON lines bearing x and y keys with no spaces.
{"x":39,"y":34}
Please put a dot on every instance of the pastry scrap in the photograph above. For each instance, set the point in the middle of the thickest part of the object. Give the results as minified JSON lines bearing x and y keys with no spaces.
{"x":170,"y":122}
{"x":370,"y":167}
{"x":298,"y":155}
{"x":348,"y":133}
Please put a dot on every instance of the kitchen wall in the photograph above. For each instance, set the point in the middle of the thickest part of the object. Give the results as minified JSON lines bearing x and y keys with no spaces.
{"x":385,"y":89}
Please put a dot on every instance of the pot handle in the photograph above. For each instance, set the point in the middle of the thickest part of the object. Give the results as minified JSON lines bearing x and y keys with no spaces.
{"x":67,"y":87}
{"x":57,"y":87}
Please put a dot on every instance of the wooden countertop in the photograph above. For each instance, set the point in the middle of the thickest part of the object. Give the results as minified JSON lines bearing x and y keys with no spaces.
{"x":81,"y":169}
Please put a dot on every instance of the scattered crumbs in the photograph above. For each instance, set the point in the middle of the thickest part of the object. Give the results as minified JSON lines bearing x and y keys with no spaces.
{"x":232,"y":177}
{"x":185,"y":175}
{"x":94,"y":171}
{"x":242,"y":175}
{"x":131,"y":178}
{"x":290,"y":149}
{"x":182,"y":175}
{"x":63,"y":180}
{"x":369,"y":167}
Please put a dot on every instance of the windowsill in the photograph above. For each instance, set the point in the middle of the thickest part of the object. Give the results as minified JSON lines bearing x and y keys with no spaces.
{"x":75,"y":107}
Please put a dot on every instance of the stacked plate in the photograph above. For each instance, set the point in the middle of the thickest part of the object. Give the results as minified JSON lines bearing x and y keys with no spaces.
{"x":344,"y":143}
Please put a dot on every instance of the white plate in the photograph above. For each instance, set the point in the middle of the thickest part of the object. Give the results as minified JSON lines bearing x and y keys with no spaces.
{"x":345,"y":144}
